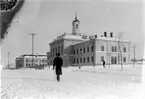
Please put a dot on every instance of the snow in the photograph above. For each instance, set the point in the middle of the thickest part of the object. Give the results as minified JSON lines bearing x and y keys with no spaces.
{"x":85,"y":83}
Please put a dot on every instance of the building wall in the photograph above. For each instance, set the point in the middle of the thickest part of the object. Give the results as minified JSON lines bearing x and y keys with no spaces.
{"x":83,"y":57}
{"x":26,"y":61}
{"x":108,"y":53}
{"x":38,"y":61}
{"x":19,"y":62}
{"x":65,"y":50}
{"x":56,"y":47}
{"x":103,"y":49}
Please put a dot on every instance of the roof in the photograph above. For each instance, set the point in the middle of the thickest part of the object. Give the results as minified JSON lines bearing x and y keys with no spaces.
{"x":35,"y":57}
{"x":112,"y":39}
{"x":67,"y":36}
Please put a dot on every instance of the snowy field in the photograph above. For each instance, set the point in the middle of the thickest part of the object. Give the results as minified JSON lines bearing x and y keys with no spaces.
{"x":85,"y":83}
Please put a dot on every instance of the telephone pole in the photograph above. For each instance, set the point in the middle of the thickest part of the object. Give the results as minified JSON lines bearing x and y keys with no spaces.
{"x":134,"y":46}
{"x":32,"y":34}
{"x":8,"y":59}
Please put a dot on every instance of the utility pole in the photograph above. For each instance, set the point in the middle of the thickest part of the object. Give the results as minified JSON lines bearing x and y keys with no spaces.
{"x":134,"y":46}
{"x":8,"y":59}
{"x":32,"y":34}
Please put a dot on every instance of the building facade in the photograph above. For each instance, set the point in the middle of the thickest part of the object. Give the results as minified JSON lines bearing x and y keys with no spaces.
{"x":26,"y":60}
{"x":78,"y":49}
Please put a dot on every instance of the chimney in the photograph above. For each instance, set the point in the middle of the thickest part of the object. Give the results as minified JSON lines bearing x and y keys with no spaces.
{"x":111,"y":34}
{"x":105,"y":34}
{"x":95,"y":36}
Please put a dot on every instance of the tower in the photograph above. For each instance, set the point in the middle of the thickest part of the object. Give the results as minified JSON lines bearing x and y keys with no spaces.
{"x":75,"y":26}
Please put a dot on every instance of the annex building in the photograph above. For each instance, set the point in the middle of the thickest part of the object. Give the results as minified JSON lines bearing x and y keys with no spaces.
{"x":26,"y":61}
{"x":77,"y":49}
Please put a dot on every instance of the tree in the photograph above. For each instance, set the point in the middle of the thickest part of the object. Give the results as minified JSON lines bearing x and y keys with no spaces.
{"x":119,"y":50}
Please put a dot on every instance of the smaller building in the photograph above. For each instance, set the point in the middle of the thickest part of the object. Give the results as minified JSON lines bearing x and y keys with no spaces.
{"x":29,"y":61}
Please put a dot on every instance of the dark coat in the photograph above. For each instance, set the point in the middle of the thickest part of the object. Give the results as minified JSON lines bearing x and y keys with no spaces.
{"x":103,"y":62}
{"x":58,"y":62}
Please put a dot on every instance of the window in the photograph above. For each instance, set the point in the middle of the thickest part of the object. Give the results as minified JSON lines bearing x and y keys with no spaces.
{"x":74,"y":52}
{"x":124,"y":59}
{"x":124,"y":49}
{"x":87,"y":49}
{"x":102,"y":48}
{"x":113,"y":60}
{"x":92,"y":48}
{"x":80,"y":51}
{"x":84,"y":60}
{"x":115,"y":49}
{"x":80,"y":60}
{"x":102,"y":58}
{"x":88,"y":59}
{"x":84,"y":49}
{"x":74,"y":60}
{"x":112,"y":48}
{"x":92,"y":59}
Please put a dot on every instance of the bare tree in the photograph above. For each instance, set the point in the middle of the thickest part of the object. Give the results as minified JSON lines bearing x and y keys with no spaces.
{"x":119,"y":50}
{"x":134,"y":59}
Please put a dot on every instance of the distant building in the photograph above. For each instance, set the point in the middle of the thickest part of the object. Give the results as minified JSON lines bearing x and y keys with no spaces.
{"x":26,"y":61}
{"x":77,"y":49}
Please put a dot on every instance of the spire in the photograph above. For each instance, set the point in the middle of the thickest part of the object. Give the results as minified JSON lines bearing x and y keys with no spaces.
{"x":76,"y":15}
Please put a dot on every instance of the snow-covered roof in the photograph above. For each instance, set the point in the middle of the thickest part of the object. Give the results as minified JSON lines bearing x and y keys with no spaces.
{"x":87,"y":37}
{"x":70,"y":36}
{"x":35,"y":57}
{"x":113,"y":39}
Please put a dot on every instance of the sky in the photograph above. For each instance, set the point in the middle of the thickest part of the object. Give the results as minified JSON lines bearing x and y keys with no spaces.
{"x":51,"y":18}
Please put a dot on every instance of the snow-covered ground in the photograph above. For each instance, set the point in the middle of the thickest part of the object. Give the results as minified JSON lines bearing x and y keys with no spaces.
{"x":85,"y":83}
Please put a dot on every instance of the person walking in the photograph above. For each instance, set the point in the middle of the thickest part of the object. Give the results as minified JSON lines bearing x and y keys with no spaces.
{"x":104,"y":64}
{"x":57,"y":64}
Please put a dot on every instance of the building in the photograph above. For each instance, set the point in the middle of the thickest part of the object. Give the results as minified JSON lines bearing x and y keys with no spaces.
{"x":25,"y":61}
{"x":78,"y":49}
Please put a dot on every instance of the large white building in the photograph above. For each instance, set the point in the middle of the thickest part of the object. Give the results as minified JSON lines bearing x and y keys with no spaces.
{"x":78,"y":49}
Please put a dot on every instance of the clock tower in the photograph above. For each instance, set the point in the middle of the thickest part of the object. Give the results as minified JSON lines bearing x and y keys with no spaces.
{"x":75,"y":26}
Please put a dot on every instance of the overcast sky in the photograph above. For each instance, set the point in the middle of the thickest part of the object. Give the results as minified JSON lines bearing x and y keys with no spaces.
{"x":49,"y":19}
